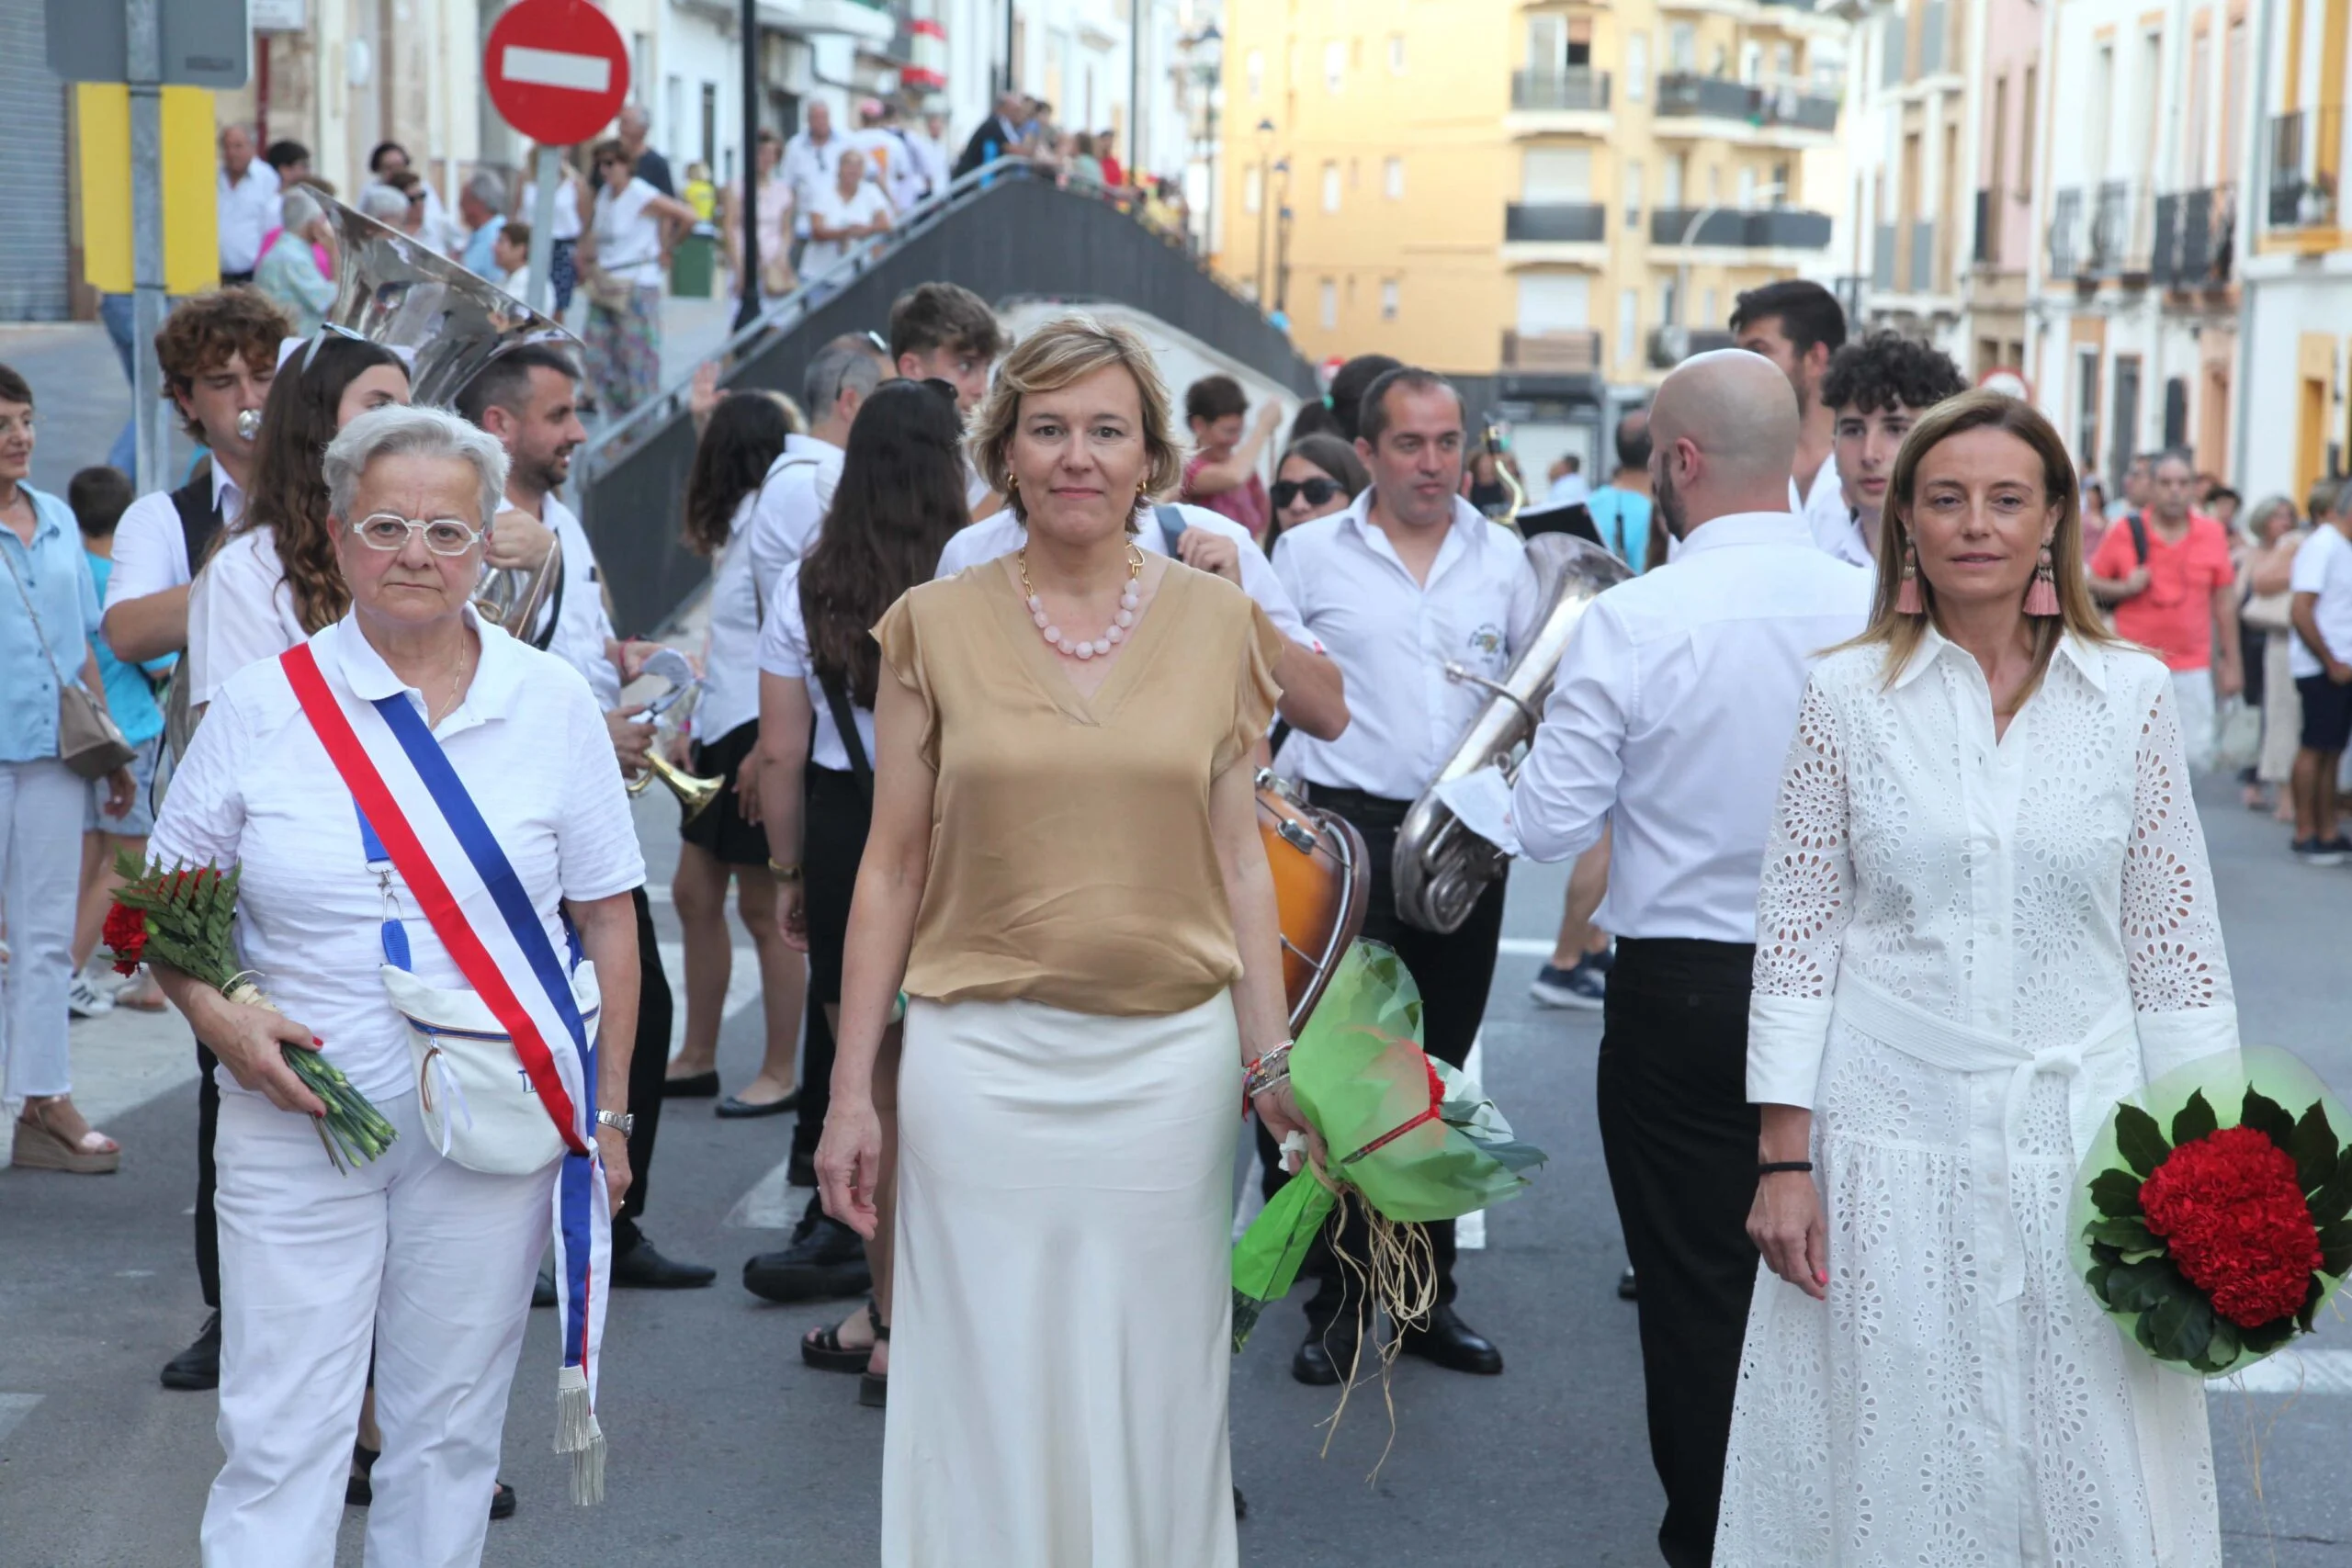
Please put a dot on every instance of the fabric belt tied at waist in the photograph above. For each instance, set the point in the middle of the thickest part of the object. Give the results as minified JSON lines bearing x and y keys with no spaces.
{"x":1956,"y":1047}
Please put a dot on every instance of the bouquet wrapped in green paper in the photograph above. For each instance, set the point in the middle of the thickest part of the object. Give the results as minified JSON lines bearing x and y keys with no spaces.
{"x":1408,"y":1136}
{"x":2213,"y":1216}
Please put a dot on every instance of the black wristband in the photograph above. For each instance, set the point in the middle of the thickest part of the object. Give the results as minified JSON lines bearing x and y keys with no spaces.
{"x":1793,"y":1167}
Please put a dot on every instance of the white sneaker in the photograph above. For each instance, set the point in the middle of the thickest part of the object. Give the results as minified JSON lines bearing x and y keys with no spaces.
{"x":85,"y":1000}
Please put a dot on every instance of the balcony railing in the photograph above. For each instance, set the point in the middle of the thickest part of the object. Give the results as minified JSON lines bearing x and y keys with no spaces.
{"x":1923,"y":255}
{"x":1557,"y":222}
{"x":2303,"y":194}
{"x":2066,"y":258}
{"x":1569,"y":353}
{"x":1776,"y":228}
{"x":1882,"y":260}
{"x":2121,"y":230}
{"x":2196,"y":231}
{"x":1572,"y":88}
{"x":1686,"y":93}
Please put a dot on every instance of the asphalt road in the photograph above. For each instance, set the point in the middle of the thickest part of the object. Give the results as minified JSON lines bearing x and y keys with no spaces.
{"x":726,"y":1450}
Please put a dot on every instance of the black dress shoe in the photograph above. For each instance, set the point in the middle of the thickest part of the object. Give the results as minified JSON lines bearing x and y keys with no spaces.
{"x":543,"y":1287}
{"x":503,"y":1501}
{"x":199,"y":1366}
{"x":694,"y":1085}
{"x":1453,"y":1345}
{"x":642,"y":1268}
{"x":825,"y":1262}
{"x":1328,"y":1353}
{"x":1627,"y":1291}
{"x":735,"y":1108}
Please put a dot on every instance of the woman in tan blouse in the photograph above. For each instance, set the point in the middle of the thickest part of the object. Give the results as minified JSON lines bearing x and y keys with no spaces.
{"x":1064,"y":877}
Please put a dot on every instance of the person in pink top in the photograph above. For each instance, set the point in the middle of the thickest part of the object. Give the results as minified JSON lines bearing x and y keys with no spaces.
{"x":1222,"y":474}
{"x":2167,"y":573}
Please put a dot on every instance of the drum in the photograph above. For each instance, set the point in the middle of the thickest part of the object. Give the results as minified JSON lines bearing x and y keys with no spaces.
{"x":1322,"y":879}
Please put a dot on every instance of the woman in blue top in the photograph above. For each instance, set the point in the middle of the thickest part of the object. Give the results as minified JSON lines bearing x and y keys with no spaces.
{"x":98,"y":497}
{"x":48,"y":613}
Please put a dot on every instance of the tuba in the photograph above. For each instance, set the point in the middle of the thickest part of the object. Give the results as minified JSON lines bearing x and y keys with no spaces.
{"x":1441,"y":867}
{"x":446,"y":323}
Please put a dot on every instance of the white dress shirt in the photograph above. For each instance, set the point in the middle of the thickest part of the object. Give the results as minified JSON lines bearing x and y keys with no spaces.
{"x":790,"y":508}
{"x":1670,"y":714}
{"x":256,"y":790}
{"x":1393,"y":638}
{"x":730,"y":651}
{"x":582,"y":629}
{"x":151,"y":550}
{"x":1002,"y":534}
{"x":1828,"y":517}
{"x":783,"y":651}
{"x":248,"y":209}
{"x":241,"y":608}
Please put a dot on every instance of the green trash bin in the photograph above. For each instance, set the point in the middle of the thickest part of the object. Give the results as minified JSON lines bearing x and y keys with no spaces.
{"x":694,"y":264}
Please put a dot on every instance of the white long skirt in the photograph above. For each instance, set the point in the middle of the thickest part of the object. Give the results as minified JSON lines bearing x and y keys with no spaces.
{"x":1059,"y":1338}
{"x":1913,"y":1419}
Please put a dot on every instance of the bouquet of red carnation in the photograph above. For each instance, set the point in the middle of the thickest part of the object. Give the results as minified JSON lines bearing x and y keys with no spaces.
{"x":184,"y":918}
{"x":2214,"y":1215}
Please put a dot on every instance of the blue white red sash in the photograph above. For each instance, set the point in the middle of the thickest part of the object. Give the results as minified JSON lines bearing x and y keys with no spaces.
{"x":467,"y":889}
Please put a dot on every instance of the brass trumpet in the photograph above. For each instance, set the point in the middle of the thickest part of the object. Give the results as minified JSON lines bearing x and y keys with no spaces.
{"x":668,"y":714}
{"x":694,"y":794}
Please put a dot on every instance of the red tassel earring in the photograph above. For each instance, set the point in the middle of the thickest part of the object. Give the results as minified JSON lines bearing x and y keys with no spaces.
{"x":1906,"y":600}
{"x":2042,"y":599}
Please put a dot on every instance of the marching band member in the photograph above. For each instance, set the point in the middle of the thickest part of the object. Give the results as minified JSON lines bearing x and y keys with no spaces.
{"x":528,"y":398}
{"x":1087,"y":997}
{"x":1669,"y":715}
{"x":901,"y":499}
{"x":799,"y":483}
{"x":723,"y":843}
{"x":425,"y":1258}
{"x":1798,"y":326}
{"x":1409,"y":579}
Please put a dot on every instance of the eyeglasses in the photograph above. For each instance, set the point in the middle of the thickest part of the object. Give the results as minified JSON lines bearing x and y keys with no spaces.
{"x":390,"y":531}
{"x":1319,"y":492}
{"x":416,"y":198}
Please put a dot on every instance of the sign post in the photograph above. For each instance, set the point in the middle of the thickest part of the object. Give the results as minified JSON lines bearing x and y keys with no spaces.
{"x":145,"y":71}
{"x":558,"y":71}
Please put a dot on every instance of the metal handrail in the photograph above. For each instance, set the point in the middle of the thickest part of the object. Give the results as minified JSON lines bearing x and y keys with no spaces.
{"x":608,"y":445}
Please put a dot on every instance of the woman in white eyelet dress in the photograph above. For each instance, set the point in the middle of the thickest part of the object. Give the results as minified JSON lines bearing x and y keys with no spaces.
{"x":1971,"y":945}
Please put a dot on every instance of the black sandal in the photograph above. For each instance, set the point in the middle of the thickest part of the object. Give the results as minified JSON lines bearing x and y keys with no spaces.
{"x":823,"y":1347}
{"x":873,"y":1388}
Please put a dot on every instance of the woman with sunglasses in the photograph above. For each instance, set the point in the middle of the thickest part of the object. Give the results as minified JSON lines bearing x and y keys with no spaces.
{"x":1319,"y":475}
{"x":272,"y":581}
{"x":627,"y":239}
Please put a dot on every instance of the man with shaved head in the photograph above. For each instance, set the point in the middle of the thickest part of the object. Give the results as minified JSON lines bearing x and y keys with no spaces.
{"x":1671,"y":714}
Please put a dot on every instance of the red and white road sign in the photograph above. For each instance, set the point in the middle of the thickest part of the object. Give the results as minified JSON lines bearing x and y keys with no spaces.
{"x":557,"y":69}
{"x":2007,"y":380}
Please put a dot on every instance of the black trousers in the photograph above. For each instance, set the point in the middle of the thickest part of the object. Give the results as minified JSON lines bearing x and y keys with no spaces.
{"x":1680,"y":1140}
{"x":207,"y":1218}
{"x":648,"y":1066}
{"x":1454,"y":972}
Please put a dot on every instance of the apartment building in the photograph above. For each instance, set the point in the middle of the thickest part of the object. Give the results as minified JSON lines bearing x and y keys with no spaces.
{"x":1559,"y":195}
{"x":2298,"y":267}
{"x":2133,"y":295}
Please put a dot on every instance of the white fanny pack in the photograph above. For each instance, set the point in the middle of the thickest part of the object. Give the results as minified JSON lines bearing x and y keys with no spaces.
{"x":477,"y":1102}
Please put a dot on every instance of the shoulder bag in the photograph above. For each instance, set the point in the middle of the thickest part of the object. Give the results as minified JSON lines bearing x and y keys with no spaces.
{"x":87,"y":741}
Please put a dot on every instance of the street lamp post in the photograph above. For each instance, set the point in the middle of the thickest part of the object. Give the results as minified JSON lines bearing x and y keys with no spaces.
{"x":1206,"y":51}
{"x":749,"y":166}
{"x":1265,"y":200}
{"x":1773,"y":192}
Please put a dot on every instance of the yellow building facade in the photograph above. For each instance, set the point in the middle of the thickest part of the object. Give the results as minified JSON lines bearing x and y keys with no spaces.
{"x":1526,"y":189}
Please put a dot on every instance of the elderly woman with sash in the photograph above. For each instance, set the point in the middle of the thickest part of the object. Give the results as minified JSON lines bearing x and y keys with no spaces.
{"x":436,"y":857}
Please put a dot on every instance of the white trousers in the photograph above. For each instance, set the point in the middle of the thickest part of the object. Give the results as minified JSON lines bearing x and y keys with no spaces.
{"x":424,"y":1261}
{"x":42,"y":805}
{"x":2192,"y":693}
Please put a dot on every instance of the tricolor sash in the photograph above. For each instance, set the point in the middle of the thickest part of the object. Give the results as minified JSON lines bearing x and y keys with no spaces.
{"x":462,"y":882}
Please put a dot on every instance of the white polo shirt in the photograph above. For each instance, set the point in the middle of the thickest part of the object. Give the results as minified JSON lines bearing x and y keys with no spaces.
{"x":783,"y":651}
{"x":2323,"y":566}
{"x":1670,"y":717}
{"x":239,"y":609}
{"x":1002,"y":534}
{"x":791,"y":507}
{"x":1393,"y":638}
{"x":731,"y":649}
{"x":582,"y":629}
{"x":151,"y":550}
{"x":257,"y":791}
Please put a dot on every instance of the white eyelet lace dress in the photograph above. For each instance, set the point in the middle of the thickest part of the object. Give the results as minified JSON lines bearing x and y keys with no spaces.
{"x":1968,"y":949}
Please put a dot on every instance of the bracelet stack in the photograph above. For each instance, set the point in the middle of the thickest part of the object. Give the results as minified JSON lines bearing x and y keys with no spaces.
{"x":1271,"y":1068}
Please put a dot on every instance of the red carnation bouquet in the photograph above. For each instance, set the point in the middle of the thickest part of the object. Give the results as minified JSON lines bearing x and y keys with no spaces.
{"x":185,"y":919}
{"x":2214,"y":1214}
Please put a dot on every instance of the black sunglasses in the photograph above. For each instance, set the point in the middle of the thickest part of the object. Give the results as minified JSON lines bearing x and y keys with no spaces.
{"x":1318,"y":491}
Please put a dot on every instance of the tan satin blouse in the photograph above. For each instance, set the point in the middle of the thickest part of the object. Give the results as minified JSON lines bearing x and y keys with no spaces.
{"x":1071,"y":860}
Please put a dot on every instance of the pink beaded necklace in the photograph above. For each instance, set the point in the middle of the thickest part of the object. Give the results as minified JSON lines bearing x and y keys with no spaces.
{"x":1056,"y":639}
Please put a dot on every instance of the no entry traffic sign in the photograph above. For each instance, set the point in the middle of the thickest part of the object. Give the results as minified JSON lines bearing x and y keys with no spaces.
{"x":556,"y":69}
